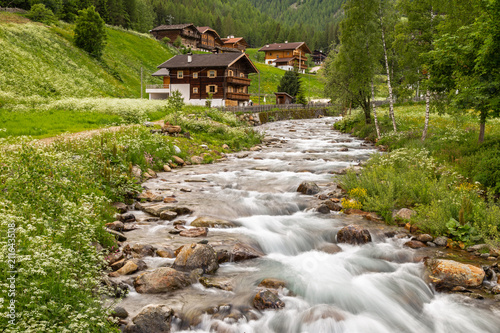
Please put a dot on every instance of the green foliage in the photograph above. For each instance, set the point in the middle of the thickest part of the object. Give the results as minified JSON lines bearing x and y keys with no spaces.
{"x":40,"y":13}
{"x":464,"y":233}
{"x":175,"y":102}
{"x":90,"y":32}
{"x":290,"y":83}
{"x":178,"y":42}
{"x":165,"y":40}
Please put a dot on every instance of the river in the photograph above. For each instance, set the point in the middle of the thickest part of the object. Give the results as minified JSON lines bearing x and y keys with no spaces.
{"x":376,"y":287}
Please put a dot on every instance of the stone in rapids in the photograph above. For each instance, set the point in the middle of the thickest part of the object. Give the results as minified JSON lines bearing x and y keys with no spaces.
{"x":354,"y":234}
{"x":450,"y":273}
{"x":196,"y":256}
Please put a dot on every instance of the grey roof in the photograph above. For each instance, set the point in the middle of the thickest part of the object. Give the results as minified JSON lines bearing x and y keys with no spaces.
{"x":161,"y":72}
{"x":283,"y":46}
{"x":173,"y":27}
{"x":206,"y":60}
{"x":280,"y":60}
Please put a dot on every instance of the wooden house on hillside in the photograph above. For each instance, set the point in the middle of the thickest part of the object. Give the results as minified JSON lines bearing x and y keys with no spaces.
{"x":232,"y":43}
{"x":288,"y":56}
{"x":210,"y":40}
{"x":318,"y":57}
{"x":189,"y":34}
{"x":221,"y":79}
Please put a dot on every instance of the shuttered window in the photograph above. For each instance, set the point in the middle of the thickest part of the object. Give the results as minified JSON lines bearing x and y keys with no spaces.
{"x":212,"y":74}
{"x":195,"y":75}
{"x":180,"y":74}
{"x":212,"y":89}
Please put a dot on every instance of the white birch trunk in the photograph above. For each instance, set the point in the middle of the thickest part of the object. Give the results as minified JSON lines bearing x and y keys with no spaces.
{"x":375,"y":112}
{"x":391,"y":99}
{"x":427,"y":109}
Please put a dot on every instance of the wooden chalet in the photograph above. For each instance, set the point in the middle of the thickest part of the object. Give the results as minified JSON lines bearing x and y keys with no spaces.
{"x":221,"y":79}
{"x":283,"y":98}
{"x":287,"y":56}
{"x":318,"y":57}
{"x":188,"y":32}
{"x":232,"y":43}
{"x":210,"y":40}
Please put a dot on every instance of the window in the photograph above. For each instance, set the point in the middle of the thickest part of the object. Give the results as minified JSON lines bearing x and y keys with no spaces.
{"x":230,"y":73}
{"x":195,"y":75}
{"x":195,"y":90}
{"x":230,"y":89}
{"x":180,"y":74}
{"x":242,"y":74}
{"x":288,"y":53}
{"x":212,"y":89}
{"x":211,"y":74}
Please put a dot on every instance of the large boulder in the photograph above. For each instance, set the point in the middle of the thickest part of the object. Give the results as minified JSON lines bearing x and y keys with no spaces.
{"x":266,"y":299}
{"x":450,"y":273}
{"x":152,"y":318}
{"x":210,"y":222}
{"x":354,"y":234}
{"x":308,"y":188}
{"x":197,"y":256}
{"x":161,"y":280}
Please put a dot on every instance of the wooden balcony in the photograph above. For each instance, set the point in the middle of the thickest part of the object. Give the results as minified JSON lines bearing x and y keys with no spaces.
{"x":238,"y":80}
{"x":238,"y":96}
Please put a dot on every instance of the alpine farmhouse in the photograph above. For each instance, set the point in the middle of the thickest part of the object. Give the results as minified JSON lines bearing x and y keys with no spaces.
{"x":287,"y":56}
{"x":215,"y":79}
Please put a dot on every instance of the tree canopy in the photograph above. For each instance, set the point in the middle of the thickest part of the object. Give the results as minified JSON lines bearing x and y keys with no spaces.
{"x":90,"y":32}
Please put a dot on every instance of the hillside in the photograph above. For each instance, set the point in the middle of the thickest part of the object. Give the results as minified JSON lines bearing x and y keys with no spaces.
{"x":38,"y":60}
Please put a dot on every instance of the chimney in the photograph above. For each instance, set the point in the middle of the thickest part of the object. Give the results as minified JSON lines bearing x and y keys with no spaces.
{"x":286,"y":42}
{"x":190,"y":57}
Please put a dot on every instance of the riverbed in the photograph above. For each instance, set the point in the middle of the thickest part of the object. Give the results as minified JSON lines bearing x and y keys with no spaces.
{"x":375,"y":287}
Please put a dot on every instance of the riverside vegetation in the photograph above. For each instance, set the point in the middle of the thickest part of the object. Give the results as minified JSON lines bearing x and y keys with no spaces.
{"x":450,"y":180}
{"x":58,"y":195}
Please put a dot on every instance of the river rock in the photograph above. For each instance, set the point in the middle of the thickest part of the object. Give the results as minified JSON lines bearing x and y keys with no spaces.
{"x":196,"y":159}
{"x":404,"y":213}
{"x":272,"y":283}
{"x":266,"y":299}
{"x":194,"y":232}
{"x":165,"y":253}
{"x":119,"y":312}
{"x":477,"y":247}
{"x":209,"y":222}
{"x":161,"y":280}
{"x":118,"y":235}
{"x":143,"y":250}
{"x":152,"y":318}
{"x":196,"y":256}
{"x":166,"y":168}
{"x":451,"y":273}
{"x":216,"y":282}
{"x":441,"y":241}
{"x":322,"y":312}
{"x":117,"y":265}
{"x":354,"y":234}
{"x":178,"y":160}
{"x":137,"y":172}
{"x":120,"y":207}
{"x":117,"y":225}
{"x":129,"y":268}
{"x":415,"y":244}
{"x":152,"y":173}
{"x":323,"y":209}
{"x":225,"y":147}
{"x":336,"y":207}
{"x":168,"y":215}
{"x":242,"y":251}
{"x":424,"y":238}
{"x":126,"y":218}
{"x":309,"y":188}
{"x":330,"y":248}
{"x":156,"y":209}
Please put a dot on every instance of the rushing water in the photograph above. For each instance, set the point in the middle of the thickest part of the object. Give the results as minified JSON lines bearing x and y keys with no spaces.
{"x":377,"y":287}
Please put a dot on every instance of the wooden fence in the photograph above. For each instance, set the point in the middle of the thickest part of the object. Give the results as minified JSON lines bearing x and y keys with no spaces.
{"x":269,"y":107}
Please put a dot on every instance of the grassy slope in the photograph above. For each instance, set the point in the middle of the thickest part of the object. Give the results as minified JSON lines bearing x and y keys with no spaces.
{"x":42,"y":61}
{"x":270,"y":78}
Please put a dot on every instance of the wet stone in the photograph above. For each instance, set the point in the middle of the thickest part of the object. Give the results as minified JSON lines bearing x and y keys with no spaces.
{"x":308,"y":188}
{"x":196,"y":256}
{"x":354,"y":234}
{"x":414,"y":244}
{"x":266,"y":299}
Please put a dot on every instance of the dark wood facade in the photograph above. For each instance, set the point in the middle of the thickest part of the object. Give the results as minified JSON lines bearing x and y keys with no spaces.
{"x":318,"y":57}
{"x":209,"y":40}
{"x":237,"y":43}
{"x":189,"y":34}
{"x":212,"y":76}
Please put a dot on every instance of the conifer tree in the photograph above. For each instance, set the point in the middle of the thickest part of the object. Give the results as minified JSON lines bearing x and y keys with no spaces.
{"x":90,"y":32}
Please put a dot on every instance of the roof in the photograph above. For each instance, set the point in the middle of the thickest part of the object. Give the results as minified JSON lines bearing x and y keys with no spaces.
{"x":283,"y":93}
{"x":205,"y":29}
{"x":231,"y":40}
{"x":284,"y":59}
{"x":172,"y":27}
{"x":207,"y":60}
{"x":284,"y":46}
{"x":161,"y":72}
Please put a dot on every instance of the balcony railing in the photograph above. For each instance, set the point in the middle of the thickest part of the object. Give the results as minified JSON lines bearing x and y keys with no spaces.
{"x":238,"y":96}
{"x":238,"y":80}
{"x":158,"y":86}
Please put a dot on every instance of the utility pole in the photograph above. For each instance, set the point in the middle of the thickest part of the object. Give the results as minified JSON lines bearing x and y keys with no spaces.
{"x":141,"y":84}
{"x":259,"y":87}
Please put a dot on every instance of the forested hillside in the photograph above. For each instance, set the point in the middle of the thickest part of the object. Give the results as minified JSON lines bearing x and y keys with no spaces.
{"x":258,"y":21}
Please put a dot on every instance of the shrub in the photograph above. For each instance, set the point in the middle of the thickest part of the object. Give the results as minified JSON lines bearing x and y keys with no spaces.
{"x":40,"y":13}
{"x":90,"y":32}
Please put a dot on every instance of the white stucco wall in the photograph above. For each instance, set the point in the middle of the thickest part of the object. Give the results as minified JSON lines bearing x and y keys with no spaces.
{"x":202,"y":102}
{"x":184,"y":89}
